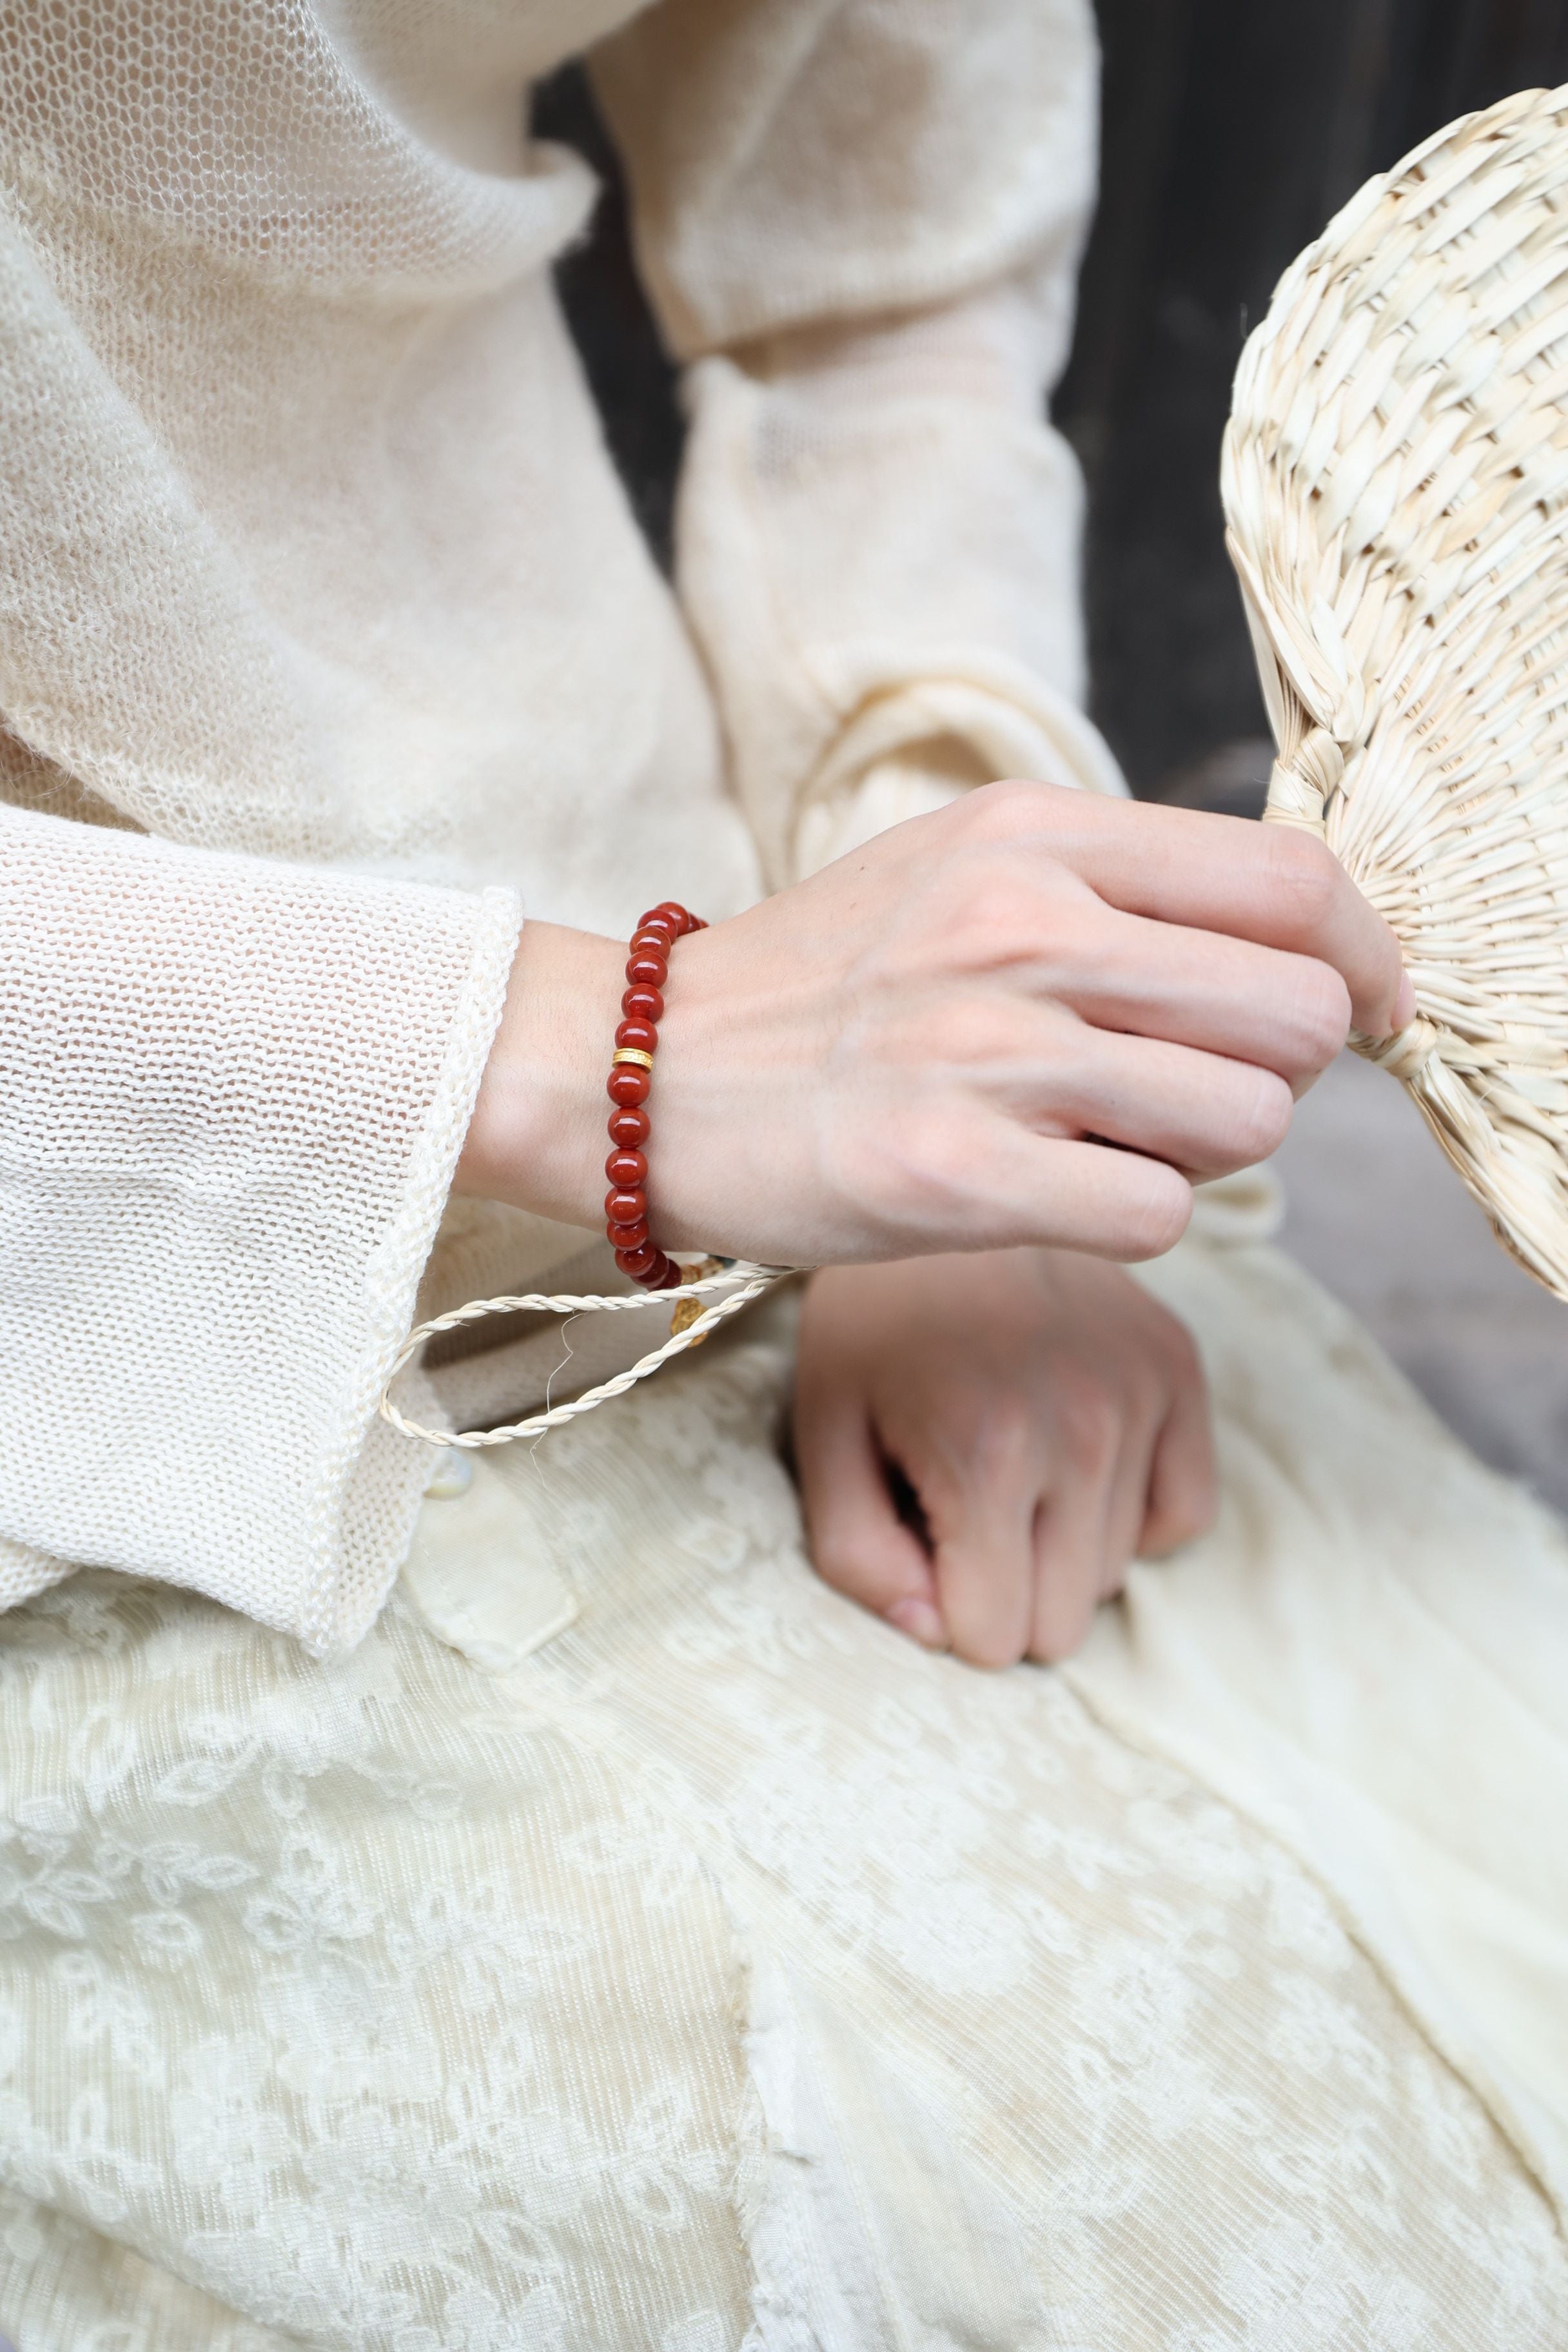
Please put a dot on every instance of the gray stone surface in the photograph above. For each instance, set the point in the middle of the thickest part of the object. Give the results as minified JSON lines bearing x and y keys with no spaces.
{"x":1375,"y":1212}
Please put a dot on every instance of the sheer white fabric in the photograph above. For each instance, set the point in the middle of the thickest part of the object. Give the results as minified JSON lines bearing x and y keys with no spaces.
{"x":233,"y":1094}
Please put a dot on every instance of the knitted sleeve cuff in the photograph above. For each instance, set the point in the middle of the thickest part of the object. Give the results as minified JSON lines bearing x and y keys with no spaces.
{"x":232,"y":1096}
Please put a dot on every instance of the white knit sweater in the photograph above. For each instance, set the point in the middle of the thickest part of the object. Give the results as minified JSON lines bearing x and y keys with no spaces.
{"x":327,"y":641}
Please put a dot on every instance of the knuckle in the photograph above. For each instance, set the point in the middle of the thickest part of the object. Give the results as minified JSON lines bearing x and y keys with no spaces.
{"x":1088,"y":1422}
{"x":985,"y":1600}
{"x":999,"y":910}
{"x":1061,"y":1632}
{"x":1262,"y":1119}
{"x":929,"y":1164}
{"x":919,"y":1178}
{"x":1146,"y":1393}
{"x":858,"y":1565}
{"x":1005,"y":1443}
{"x":886,"y":1170}
{"x":1154,"y":1214}
{"x":963,"y":1032}
{"x":836,"y":1563}
{"x":1002,"y":912}
{"x":1322,"y":1016}
{"x":1185,"y":1515}
{"x":1003,"y":811}
{"x":990,"y":1644}
{"x":1305,"y":873}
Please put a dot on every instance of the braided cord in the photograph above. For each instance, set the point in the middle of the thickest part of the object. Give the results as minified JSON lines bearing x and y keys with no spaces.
{"x":751,"y":1281}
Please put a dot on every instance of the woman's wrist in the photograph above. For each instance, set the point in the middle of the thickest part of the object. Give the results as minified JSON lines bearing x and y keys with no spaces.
{"x":536,"y":1139}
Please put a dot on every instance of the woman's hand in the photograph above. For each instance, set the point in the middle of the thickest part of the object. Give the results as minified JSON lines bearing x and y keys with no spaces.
{"x":1029,"y":1017}
{"x":984,"y":1442}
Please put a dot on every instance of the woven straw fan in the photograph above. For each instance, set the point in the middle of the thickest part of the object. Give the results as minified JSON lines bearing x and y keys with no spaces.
{"x":1395,"y":482}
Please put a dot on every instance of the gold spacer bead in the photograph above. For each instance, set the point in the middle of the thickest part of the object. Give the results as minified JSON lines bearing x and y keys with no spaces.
{"x":632,"y":1054}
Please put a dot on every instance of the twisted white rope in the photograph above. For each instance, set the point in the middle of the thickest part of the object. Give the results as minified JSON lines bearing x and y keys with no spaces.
{"x":752,"y":1280}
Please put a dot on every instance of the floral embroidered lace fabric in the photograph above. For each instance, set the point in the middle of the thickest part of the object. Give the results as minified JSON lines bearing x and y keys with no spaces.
{"x":729,"y":1972}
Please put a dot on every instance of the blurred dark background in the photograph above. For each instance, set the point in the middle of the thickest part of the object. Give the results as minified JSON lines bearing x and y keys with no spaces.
{"x":1232,"y":129}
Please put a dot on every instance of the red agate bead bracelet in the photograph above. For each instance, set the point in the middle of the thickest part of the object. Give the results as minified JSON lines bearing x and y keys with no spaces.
{"x":631,"y":1074}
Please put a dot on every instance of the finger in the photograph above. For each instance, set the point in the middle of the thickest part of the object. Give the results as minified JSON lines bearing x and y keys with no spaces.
{"x":1183,"y":1481}
{"x":982,"y":1536}
{"x":1069,"y":1559}
{"x":1203,"y":1113}
{"x":1287,"y":1013}
{"x":858,"y":1544}
{"x":1127,"y":1501}
{"x":1272,"y":883}
{"x":963,"y":1180}
{"x":1089,"y":1197}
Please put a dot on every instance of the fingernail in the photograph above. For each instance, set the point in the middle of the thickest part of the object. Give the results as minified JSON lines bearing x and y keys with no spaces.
{"x":920,"y":1620}
{"x":1405,"y":1002}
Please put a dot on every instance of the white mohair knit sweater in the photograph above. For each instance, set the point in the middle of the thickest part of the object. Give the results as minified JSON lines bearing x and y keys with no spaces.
{"x":316,"y":576}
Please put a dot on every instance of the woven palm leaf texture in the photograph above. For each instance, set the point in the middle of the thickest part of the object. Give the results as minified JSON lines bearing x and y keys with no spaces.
{"x":1396,"y":484}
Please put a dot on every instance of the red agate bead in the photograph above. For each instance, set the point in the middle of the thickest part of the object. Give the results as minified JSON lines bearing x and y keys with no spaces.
{"x":625,"y":1168}
{"x":641,"y":1263}
{"x":628,"y":1126}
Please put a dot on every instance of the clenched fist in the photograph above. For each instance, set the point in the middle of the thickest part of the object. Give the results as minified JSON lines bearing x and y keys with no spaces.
{"x":1031,"y":1017}
{"x":984,"y":1442}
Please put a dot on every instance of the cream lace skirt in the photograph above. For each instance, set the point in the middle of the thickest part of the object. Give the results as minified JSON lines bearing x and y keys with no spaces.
{"x":722,"y":1971}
